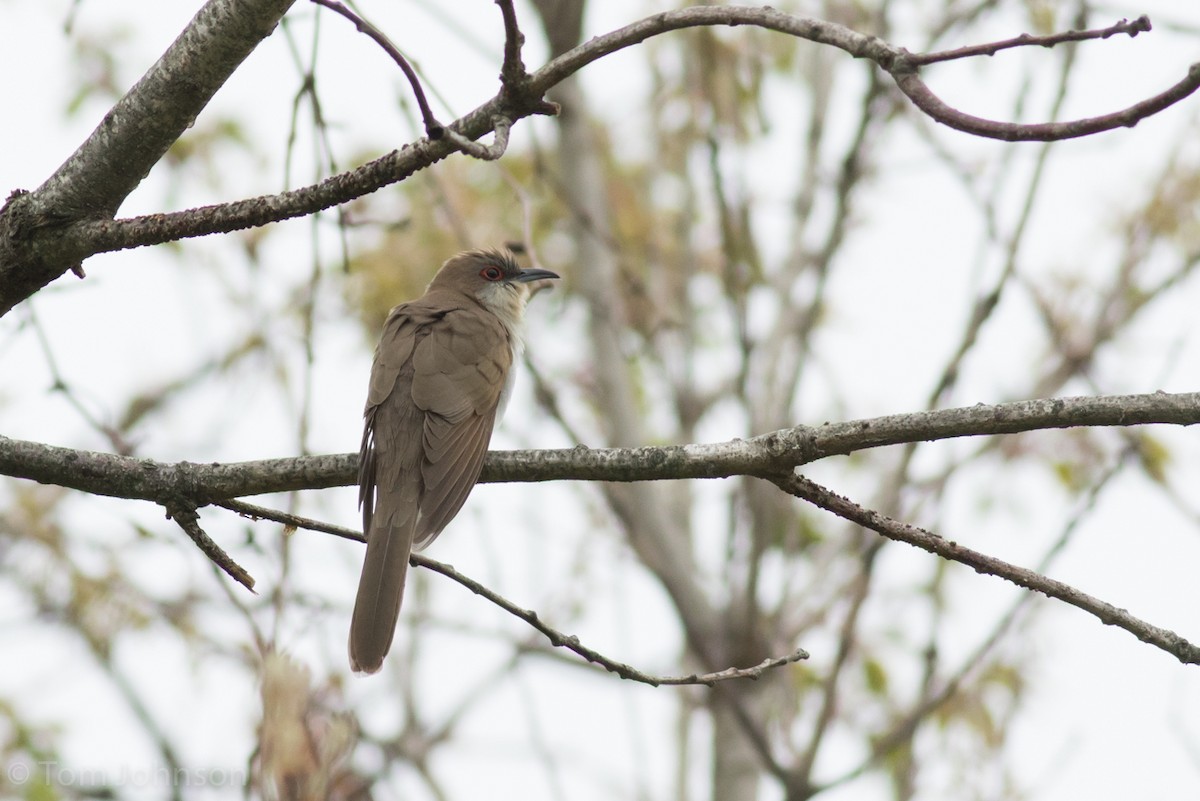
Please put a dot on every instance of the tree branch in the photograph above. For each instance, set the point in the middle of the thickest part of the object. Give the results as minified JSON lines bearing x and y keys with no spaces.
{"x":923,"y":98}
{"x":1108,"y":614}
{"x":188,"y":519}
{"x":557,"y":638}
{"x":433,"y":128}
{"x":47,"y":232}
{"x":569,"y":641}
{"x":131,"y":139}
{"x":896,"y":61}
{"x":1130,"y":28}
{"x":801,"y":445}
{"x":764,"y":455}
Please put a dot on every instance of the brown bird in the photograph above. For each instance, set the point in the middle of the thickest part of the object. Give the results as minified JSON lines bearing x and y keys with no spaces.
{"x":441,"y":378}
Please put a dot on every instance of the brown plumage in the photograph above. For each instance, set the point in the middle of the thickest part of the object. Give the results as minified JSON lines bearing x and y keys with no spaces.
{"x":440,"y":380}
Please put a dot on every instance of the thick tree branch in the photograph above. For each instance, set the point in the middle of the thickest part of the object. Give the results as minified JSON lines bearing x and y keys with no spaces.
{"x":129,"y":141}
{"x":764,"y":455}
{"x":182,"y":486}
{"x":1108,"y":614}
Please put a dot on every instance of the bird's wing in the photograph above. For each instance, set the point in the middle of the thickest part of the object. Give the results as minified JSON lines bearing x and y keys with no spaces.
{"x":406,"y":324}
{"x":459,"y":370}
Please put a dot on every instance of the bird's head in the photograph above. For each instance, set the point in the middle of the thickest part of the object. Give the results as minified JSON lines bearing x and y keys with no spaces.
{"x":493,"y":278}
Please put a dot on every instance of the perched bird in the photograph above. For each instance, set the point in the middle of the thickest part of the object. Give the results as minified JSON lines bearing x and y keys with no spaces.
{"x":441,"y":379}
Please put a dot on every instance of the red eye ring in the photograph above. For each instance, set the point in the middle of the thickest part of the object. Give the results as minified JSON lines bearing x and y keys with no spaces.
{"x":491,"y":273}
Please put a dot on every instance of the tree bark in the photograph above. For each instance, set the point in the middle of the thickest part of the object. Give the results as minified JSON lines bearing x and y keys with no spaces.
{"x":128,"y":142}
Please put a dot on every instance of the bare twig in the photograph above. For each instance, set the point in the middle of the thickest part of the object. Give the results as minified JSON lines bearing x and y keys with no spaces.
{"x":1108,"y":614}
{"x":433,"y":128}
{"x":556,"y":638}
{"x":571,"y":642}
{"x":255,"y":512}
{"x":188,"y":519}
{"x":1132,"y":28}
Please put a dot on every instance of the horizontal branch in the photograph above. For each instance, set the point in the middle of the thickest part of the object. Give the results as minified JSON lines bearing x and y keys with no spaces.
{"x":764,"y":455}
{"x":792,"y":447}
{"x":859,"y":45}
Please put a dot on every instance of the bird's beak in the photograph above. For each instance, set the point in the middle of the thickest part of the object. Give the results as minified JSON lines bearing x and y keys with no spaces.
{"x":525,"y":276}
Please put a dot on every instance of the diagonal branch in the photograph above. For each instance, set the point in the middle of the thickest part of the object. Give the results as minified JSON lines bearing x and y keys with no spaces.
{"x":569,"y":641}
{"x":433,"y":128}
{"x":1108,"y":614}
{"x":557,"y":638}
{"x":189,"y":520}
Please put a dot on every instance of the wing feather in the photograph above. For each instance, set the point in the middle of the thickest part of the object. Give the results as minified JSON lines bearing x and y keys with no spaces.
{"x":459,"y":371}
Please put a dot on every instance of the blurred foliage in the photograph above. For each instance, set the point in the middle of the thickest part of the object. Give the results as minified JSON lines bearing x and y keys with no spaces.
{"x":97,"y":66}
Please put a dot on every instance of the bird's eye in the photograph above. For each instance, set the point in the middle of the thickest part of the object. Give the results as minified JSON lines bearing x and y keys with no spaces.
{"x":491,"y":273}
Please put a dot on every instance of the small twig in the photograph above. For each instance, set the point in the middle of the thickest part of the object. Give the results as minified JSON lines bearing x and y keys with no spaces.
{"x":189,"y":520}
{"x":571,"y":642}
{"x":1132,"y":28}
{"x":478,"y":149}
{"x":1108,"y":614}
{"x":556,"y":638}
{"x":60,"y":384}
{"x":433,"y":128}
{"x":288,"y":519}
{"x":512,"y":74}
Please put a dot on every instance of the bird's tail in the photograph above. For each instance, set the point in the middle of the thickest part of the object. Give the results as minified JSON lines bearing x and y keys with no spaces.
{"x":381,"y":586}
